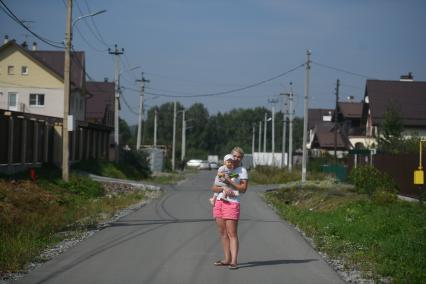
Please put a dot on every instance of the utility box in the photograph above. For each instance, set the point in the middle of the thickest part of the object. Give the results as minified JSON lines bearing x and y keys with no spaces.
{"x":419,"y":177}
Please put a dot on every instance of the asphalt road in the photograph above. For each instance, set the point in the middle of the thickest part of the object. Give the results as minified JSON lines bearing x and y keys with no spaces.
{"x":174,"y":240}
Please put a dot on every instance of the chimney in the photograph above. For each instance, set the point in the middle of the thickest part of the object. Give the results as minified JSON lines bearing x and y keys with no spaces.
{"x":6,"y":39}
{"x":105,"y":79}
{"x":34,"y":46}
{"x":24,"y":45}
{"x":407,"y":78}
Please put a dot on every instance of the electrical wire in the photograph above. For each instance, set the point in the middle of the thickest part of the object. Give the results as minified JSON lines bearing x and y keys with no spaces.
{"x":228,"y":91}
{"x":102,"y":40}
{"x":12,"y":15}
{"x":342,"y":70}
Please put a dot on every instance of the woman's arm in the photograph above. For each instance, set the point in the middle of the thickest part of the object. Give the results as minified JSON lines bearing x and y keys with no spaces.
{"x":241,"y":187}
{"x":216,"y":188}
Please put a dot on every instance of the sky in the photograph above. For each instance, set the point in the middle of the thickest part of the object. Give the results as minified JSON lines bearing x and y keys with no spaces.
{"x":206,"y":47}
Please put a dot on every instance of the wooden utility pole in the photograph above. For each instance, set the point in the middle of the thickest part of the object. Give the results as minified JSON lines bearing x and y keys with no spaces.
{"x":67,"y":85}
{"x":183,"y":152}
{"x":335,"y":121}
{"x":305,"y":118}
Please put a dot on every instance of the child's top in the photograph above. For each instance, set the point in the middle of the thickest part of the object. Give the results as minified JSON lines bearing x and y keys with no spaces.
{"x":220,"y":182}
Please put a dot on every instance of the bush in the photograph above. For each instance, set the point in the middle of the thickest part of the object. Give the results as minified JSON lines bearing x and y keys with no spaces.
{"x":368,"y":180}
{"x":135,"y":164}
{"x":83,"y":186}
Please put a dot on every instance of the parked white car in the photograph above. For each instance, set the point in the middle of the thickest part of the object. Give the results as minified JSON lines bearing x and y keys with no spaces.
{"x":193,"y":163}
{"x":214,"y":165}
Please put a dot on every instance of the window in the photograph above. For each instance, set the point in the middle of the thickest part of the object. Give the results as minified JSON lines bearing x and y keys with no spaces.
{"x":24,"y":70}
{"x":11,"y":70}
{"x":36,"y":99}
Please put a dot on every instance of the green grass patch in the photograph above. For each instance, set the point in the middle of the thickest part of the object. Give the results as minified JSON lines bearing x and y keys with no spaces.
{"x":275,"y":175}
{"x":32,"y":213}
{"x":382,"y":239}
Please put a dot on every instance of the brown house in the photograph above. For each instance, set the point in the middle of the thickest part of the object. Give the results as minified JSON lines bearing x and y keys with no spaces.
{"x":100,"y":102}
{"x":407,"y":96}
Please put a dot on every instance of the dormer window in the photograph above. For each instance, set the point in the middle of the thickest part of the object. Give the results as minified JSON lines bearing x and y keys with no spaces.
{"x":24,"y":70}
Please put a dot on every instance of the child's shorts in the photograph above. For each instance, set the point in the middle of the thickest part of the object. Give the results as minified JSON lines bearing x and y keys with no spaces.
{"x":226,"y":210}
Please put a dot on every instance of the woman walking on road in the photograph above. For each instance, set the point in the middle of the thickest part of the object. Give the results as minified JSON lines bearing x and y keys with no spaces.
{"x":227,"y":212}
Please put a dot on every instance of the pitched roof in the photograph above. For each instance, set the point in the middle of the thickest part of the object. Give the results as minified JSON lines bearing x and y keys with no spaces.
{"x":324,"y":137}
{"x":101,"y":98}
{"x":351,"y":109}
{"x":315,"y":115}
{"x":54,"y":62}
{"x":408,"y":97}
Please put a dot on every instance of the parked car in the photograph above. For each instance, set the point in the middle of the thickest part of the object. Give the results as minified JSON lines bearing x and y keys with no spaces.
{"x":195,"y":163}
{"x":214,"y":165}
{"x":204,"y":165}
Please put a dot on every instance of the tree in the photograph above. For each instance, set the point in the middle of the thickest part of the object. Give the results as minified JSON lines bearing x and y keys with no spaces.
{"x":390,"y":136}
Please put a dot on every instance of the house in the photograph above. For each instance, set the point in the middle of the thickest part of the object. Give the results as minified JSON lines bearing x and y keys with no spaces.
{"x":351,"y":125}
{"x":407,"y":96}
{"x":100,"y":102}
{"x":32,"y":81}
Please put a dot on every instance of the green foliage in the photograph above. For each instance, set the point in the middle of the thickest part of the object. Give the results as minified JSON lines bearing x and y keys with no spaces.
{"x":369,"y":179}
{"x":272,"y":175}
{"x":134,"y":164}
{"x":384,"y":240}
{"x":82,"y":186}
{"x":214,"y":134}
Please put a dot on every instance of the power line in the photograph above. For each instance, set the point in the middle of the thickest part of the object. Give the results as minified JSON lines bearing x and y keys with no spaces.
{"x":228,"y":91}
{"x":11,"y":15}
{"x":96,"y":27}
{"x":342,"y":70}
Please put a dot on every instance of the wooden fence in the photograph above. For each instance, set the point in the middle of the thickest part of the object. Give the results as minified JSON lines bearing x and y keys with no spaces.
{"x":30,"y":140}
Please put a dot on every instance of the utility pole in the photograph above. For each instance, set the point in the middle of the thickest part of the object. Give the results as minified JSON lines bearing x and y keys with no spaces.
{"x":264,"y":133}
{"x":155,"y":127}
{"x":335,"y":121}
{"x":67,"y":85}
{"x":305,"y":119}
{"x":273,"y":102}
{"x":117,"y":54}
{"x":290,"y":142}
{"x":141,"y":111}
{"x":285,"y":112}
{"x":253,"y":134}
{"x":174,"y":136}
{"x":260,"y":136}
{"x":183,"y":152}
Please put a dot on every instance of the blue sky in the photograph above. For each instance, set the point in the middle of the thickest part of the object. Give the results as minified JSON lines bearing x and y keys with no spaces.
{"x":201,"y":47}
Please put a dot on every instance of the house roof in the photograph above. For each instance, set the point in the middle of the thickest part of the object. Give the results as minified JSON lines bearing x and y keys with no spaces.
{"x":101,"y":97}
{"x":324,"y":137}
{"x":53,"y":61}
{"x":351,"y":109}
{"x":315,"y":115}
{"x":409,"y":98}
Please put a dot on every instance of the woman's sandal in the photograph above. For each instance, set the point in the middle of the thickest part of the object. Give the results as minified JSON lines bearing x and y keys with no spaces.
{"x":232,"y":266}
{"x":220,"y":263}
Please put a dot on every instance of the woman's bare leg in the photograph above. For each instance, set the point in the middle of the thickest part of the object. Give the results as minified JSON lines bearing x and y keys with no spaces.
{"x":225,"y":239}
{"x":232,"y":231}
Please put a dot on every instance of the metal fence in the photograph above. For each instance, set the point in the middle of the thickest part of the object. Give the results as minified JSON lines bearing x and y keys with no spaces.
{"x":399,"y":167}
{"x":30,"y":140}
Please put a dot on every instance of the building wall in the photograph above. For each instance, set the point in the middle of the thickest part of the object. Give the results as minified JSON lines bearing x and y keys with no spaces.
{"x":38,"y":81}
{"x":37,"y":77}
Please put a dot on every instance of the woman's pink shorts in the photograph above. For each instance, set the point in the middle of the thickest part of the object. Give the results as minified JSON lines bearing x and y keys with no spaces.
{"x":226,"y":210}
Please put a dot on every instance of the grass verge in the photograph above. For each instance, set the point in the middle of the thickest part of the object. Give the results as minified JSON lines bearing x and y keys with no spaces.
{"x":33,"y":214}
{"x":381,"y":239}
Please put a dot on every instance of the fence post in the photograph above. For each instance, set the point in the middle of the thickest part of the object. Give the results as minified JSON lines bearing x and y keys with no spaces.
{"x":10,"y":141}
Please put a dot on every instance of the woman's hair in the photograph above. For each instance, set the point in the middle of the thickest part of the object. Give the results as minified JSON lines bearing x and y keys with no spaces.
{"x":239,"y":150}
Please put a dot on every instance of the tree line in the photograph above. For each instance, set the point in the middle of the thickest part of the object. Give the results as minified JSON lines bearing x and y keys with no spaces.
{"x":210,"y":134}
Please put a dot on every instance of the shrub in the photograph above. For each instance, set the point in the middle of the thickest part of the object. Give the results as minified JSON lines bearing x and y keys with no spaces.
{"x":368,"y":179}
{"x":135,"y":164}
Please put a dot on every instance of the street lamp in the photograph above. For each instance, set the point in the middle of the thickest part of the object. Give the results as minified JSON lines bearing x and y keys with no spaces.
{"x":67,"y":84}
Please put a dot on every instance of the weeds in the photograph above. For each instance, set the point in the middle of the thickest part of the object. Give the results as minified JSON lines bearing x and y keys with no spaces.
{"x":384,"y":238}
